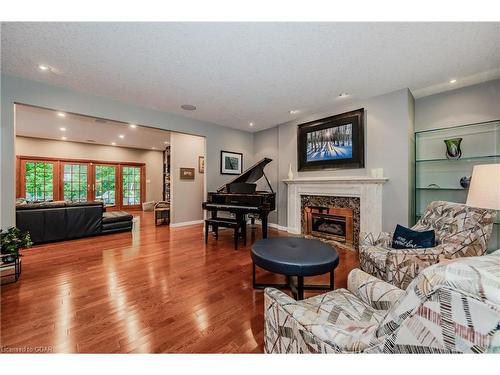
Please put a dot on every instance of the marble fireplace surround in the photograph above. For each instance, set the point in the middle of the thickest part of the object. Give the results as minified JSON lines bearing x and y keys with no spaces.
{"x":367,"y":189}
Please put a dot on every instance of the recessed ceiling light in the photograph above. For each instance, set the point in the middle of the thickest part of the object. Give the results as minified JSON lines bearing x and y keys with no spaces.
{"x":61,"y":114}
{"x":44,"y":67}
{"x":63,"y":138}
{"x":293,"y":111}
{"x":121,"y":136}
{"x":113,"y":143}
{"x":133,"y":126}
{"x":251,"y":124}
{"x":153,"y":148}
{"x":166,"y":142}
{"x":453,"y":80}
{"x":343,"y":95}
{"x":62,"y":129}
{"x":188,"y":107}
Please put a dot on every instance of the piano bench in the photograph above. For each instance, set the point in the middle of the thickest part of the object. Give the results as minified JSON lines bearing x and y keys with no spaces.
{"x":239,"y":227}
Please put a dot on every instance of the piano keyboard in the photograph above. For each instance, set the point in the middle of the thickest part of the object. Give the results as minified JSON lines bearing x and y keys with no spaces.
{"x":230,"y":206}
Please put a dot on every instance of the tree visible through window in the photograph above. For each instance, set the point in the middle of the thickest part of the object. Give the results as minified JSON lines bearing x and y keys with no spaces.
{"x":105,"y":183}
{"x":75,"y":182}
{"x":39,"y":181}
{"x":131,"y":185}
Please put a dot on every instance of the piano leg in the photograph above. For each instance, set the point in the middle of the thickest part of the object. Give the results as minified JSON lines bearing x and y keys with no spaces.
{"x":264,"y":226}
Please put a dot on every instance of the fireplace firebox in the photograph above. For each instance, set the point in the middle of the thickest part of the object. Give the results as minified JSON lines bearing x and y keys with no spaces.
{"x":331,"y":223}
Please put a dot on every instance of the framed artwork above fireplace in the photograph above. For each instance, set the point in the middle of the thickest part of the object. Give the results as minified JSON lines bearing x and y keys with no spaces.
{"x":332,"y":142}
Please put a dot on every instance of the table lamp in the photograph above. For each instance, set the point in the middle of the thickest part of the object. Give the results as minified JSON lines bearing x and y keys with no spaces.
{"x":484,"y":190}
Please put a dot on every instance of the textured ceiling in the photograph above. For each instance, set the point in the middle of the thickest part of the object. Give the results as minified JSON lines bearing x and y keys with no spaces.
{"x":45,"y":123}
{"x":236,"y":73}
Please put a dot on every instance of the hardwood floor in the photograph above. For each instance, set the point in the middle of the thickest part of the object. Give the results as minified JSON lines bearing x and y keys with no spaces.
{"x":157,"y":289}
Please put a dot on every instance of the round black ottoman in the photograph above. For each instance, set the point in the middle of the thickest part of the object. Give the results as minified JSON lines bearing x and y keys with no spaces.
{"x":294,"y":256}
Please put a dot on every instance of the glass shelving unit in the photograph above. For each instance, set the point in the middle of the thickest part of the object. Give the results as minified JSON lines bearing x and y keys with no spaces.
{"x":438,"y":178}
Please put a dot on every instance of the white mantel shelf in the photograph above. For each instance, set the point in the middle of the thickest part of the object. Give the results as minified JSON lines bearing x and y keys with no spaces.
{"x":340,"y":180}
{"x":368,"y":189}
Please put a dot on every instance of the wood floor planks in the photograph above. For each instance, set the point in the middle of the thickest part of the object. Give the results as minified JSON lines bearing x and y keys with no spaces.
{"x":157,"y":289}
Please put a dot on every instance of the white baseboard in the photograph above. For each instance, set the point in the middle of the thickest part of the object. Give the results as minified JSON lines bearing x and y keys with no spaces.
{"x":185,"y":223}
{"x":278,"y":227}
{"x":272,"y":225}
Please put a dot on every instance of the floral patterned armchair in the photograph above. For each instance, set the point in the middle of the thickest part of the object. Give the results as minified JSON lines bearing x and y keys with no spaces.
{"x":451,"y":307}
{"x":461,"y":231}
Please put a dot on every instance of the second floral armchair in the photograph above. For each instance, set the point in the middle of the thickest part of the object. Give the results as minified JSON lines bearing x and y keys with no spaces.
{"x":461,"y":231}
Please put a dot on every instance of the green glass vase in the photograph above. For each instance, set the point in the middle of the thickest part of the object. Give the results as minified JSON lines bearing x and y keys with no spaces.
{"x":453,"y":151}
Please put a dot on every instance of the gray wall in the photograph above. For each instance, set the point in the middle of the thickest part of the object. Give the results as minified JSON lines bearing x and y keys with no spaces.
{"x":388,"y":126}
{"x":187,"y":195}
{"x":72,"y":150}
{"x":266,"y":146}
{"x":462,"y":106}
{"x":14,"y":89}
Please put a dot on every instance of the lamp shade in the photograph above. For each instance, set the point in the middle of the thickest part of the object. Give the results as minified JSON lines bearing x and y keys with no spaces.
{"x":484,"y":190}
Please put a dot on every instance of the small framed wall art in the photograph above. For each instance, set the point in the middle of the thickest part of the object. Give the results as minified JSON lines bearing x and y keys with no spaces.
{"x":187,"y":174}
{"x":201,"y":164}
{"x":231,"y":162}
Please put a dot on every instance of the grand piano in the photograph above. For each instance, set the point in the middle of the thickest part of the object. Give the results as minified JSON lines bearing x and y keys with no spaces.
{"x":240,"y":197}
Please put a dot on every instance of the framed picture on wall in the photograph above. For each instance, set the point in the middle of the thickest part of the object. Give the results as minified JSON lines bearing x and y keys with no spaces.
{"x":201,"y":164}
{"x":231,"y":162}
{"x":187,"y":174}
{"x":332,"y":142}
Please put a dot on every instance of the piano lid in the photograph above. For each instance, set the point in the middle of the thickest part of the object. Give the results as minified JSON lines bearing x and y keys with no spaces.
{"x":251,"y":175}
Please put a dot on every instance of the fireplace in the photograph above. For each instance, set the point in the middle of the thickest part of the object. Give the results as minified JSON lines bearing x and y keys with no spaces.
{"x":330,"y":223}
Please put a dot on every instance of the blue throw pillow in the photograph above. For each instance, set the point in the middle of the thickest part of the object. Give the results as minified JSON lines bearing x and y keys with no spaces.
{"x":405,"y":238}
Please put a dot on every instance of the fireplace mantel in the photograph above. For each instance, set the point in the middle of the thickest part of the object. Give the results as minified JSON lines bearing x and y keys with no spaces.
{"x":338,"y":180}
{"x":367,"y":188}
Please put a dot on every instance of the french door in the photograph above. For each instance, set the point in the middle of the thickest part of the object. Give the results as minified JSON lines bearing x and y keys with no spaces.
{"x":119,"y":186}
{"x":105,"y":184}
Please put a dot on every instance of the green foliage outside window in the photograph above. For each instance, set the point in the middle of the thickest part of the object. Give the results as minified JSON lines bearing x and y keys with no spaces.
{"x":105,"y":184}
{"x":39,"y":181}
{"x":131,"y":184}
{"x":75,"y":182}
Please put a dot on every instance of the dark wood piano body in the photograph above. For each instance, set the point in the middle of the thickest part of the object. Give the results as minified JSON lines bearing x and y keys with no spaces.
{"x":258,"y":203}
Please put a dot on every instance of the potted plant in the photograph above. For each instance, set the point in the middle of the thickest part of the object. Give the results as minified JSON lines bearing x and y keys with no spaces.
{"x":11,"y":241}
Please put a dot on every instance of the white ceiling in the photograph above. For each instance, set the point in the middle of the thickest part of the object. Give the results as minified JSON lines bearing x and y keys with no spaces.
{"x":236,"y":73}
{"x":46,"y":123}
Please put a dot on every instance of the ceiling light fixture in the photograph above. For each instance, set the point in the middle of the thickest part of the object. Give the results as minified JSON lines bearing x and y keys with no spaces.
{"x":63,"y":138}
{"x":62,"y":129}
{"x":452,"y":81}
{"x":188,"y":107}
{"x":61,"y":114}
{"x":153,"y":148}
{"x":343,"y":95}
{"x":293,"y":111}
{"x":43,"y":67}
{"x":166,"y":142}
{"x":113,"y":143}
{"x":251,"y":124}
{"x":121,"y":136}
{"x":133,"y":126}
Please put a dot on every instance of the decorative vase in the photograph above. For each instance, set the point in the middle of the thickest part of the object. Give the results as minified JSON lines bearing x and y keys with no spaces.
{"x":290,"y":173}
{"x":453,"y":151}
{"x":465,"y":182}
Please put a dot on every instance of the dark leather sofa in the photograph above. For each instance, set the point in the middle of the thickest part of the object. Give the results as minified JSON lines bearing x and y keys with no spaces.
{"x":57,"y":221}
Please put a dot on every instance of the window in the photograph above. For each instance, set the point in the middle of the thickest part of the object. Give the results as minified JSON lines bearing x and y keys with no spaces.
{"x":75,"y":182}
{"x":105,"y":183}
{"x":39,"y":181}
{"x":116,"y":184}
{"x":131,"y":186}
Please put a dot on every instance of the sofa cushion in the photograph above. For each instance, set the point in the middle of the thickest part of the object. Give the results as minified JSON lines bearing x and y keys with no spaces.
{"x":115,"y":217}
